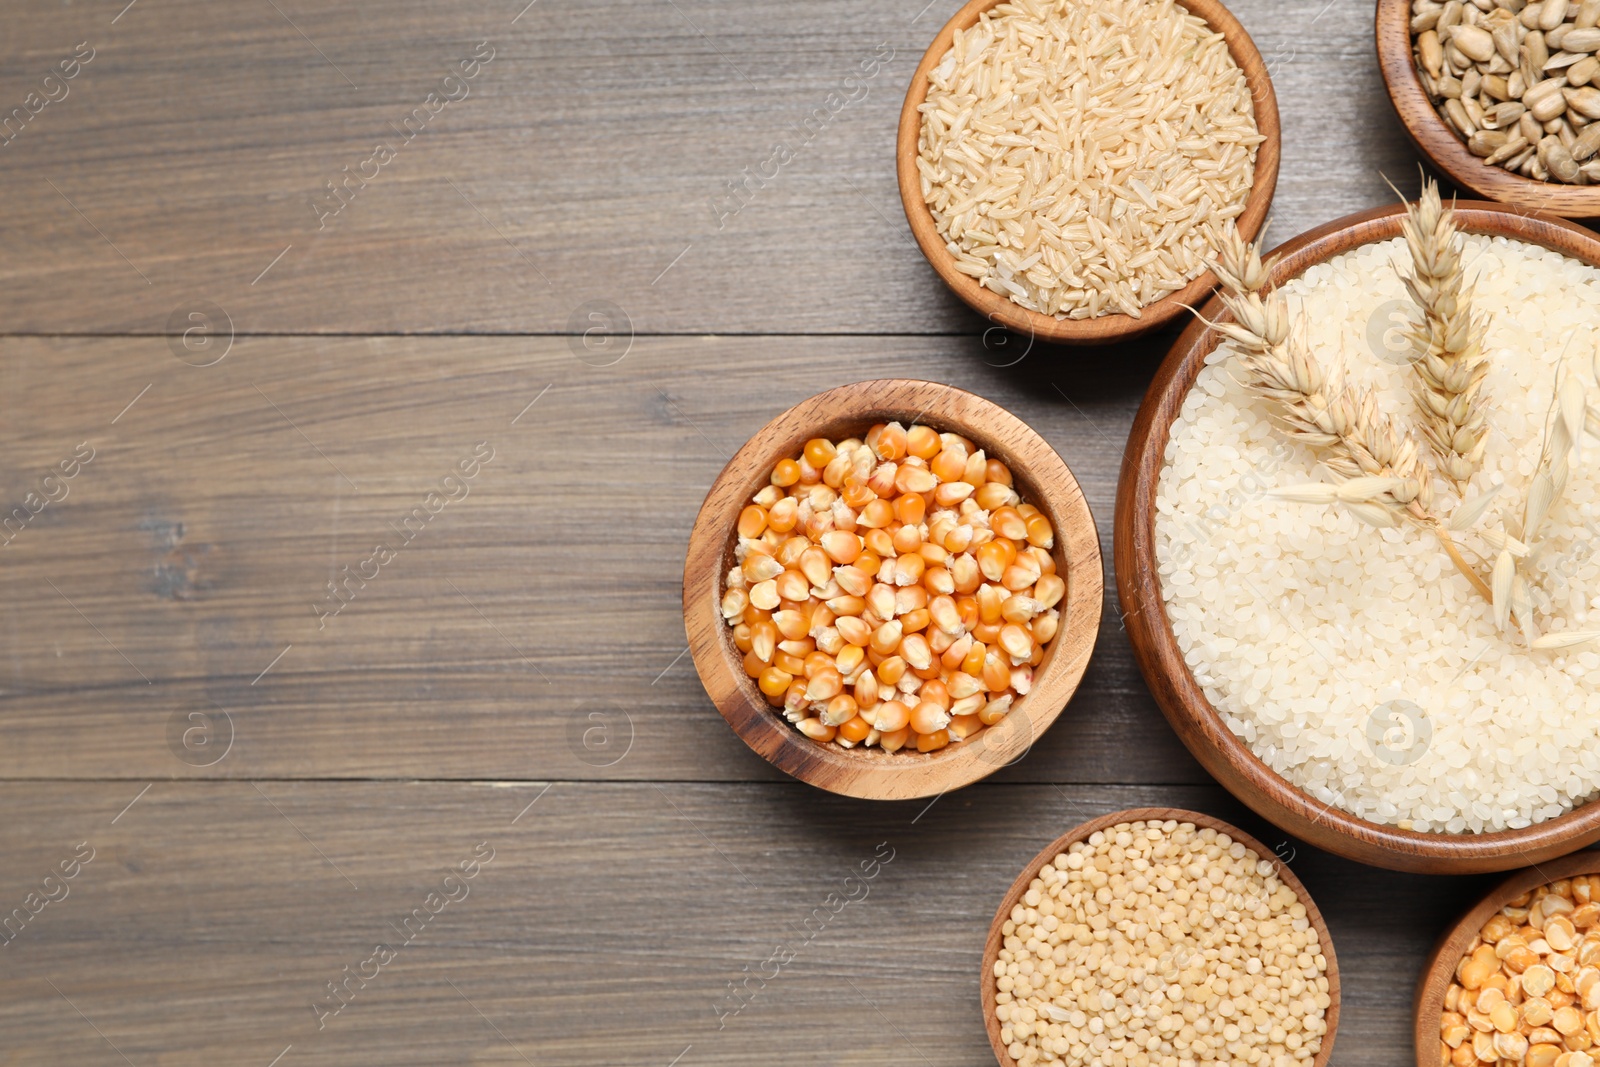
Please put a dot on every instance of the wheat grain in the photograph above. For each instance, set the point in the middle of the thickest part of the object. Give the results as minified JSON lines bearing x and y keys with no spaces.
{"x":1447,"y":341}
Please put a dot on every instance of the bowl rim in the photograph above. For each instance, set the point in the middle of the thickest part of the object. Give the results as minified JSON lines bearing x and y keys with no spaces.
{"x":871,"y":773}
{"x":1439,"y":971}
{"x":1440,"y":144}
{"x":991,"y":946}
{"x":1005,"y":312}
{"x":1196,"y":722}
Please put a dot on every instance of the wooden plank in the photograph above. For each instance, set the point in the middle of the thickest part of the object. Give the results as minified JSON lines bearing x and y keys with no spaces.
{"x":605,"y":929}
{"x":195,"y":547}
{"x":590,"y":159}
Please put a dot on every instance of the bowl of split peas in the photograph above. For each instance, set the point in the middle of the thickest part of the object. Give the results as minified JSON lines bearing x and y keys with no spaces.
{"x":893,"y":589}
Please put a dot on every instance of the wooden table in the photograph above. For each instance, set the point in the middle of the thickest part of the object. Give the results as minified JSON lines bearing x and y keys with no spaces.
{"x":551,"y":269}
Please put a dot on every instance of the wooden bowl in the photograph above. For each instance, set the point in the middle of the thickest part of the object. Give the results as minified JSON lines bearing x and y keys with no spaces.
{"x":848,"y":411}
{"x":1002,"y":310}
{"x":1440,"y":969}
{"x":1444,"y":148}
{"x":1222,"y":753}
{"x":991,"y":947}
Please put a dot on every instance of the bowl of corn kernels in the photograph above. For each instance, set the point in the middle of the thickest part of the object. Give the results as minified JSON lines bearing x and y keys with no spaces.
{"x":893,"y":589}
{"x":1517,"y":979}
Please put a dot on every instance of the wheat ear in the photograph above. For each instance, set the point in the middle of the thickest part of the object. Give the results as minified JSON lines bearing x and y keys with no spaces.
{"x":1447,"y":341}
{"x":1317,"y":407}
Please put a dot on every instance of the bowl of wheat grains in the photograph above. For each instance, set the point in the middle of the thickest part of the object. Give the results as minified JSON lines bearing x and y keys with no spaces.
{"x":1068,"y":166}
{"x":1356,"y":536}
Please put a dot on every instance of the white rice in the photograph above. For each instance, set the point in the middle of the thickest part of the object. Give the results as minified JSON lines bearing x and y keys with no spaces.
{"x":1358,"y":663}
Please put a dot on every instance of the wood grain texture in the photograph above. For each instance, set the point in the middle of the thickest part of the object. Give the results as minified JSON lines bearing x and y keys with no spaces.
{"x":1013,"y":897}
{"x":591,"y":149}
{"x":1216,"y":746}
{"x":1439,"y":972}
{"x":997,"y":308}
{"x":1446,"y":150}
{"x":1041,"y":478}
{"x":595,"y":149}
{"x":605,"y":930}
{"x":200,"y":540}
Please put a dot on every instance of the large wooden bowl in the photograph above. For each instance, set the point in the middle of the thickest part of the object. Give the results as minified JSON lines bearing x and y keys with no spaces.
{"x":1444,"y":148}
{"x":1440,"y":970}
{"x":1041,"y":478}
{"x":1222,"y":753}
{"x":991,"y":947}
{"x":1106,"y":328}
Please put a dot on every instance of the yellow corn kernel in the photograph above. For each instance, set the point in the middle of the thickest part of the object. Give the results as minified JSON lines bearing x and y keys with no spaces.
{"x":789,"y":663}
{"x":933,"y":742}
{"x":908,"y":570}
{"x":938,"y":581}
{"x":876,"y":514}
{"x":819,"y":452}
{"x":914,"y":621}
{"x":955,"y":655}
{"x":891,"y":442}
{"x":995,"y":710}
{"x":910,"y":508}
{"x":1049,"y":590}
{"x":949,"y":465}
{"x":887,"y":637}
{"x":922,"y":442}
{"x":816,"y":729}
{"x":763,"y":640}
{"x":964,"y":726}
{"x":752,"y":665}
{"x":854,"y":730}
{"x":1008,"y":523}
{"x":840,"y":710}
{"x":734,"y":603}
{"x":891,"y":715}
{"x":786,"y":473}
{"x":927,"y":718}
{"x":1044,"y":627}
{"x":914,"y":648}
{"x":853,"y":630}
{"x":976,"y":470}
{"x":890,"y":671}
{"x":994,"y":557}
{"x":972,"y":663}
{"x":764,"y":595}
{"x":894,"y":741}
{"x":943,"y":611}
{"x":996,"y":672}
{"x":840,"y":547}
{"x":993,"y":495}
{"x":950,"y":494}
{"x":753,"y":521}
{"x":1016,"y":642}
{"x":774,"y":682}
{"x":866,"y":691}
{"x":783,"y":515}
{"x":1020,"y":609}
{"x":1040,"y":535}
{"x":909,"y":479}
{"x":792,"y":586}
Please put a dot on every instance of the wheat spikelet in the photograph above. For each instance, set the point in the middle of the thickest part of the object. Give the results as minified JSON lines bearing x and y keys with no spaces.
{"x":1447,"y":341}
{"x":1316,"y":406}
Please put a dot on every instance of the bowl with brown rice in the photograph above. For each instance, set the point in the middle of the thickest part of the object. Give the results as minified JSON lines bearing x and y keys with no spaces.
{"x":1068,"y":166}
